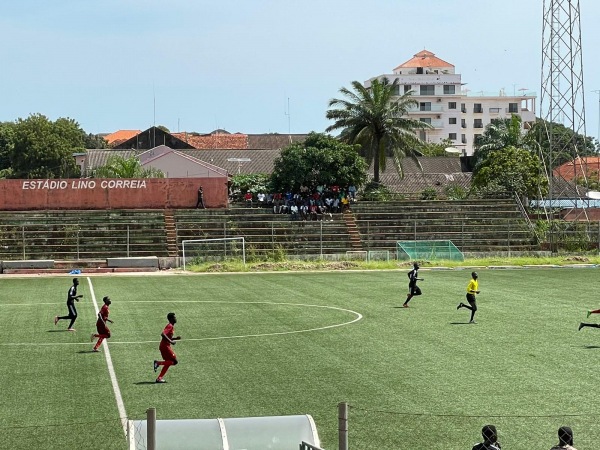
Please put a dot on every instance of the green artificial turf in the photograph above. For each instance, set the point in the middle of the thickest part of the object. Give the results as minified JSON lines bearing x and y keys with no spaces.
{"x":289,"y":343}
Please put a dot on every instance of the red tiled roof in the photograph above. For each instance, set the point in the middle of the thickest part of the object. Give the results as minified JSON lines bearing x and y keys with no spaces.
{"x":589,"y":165}
{"x":214,"y":140}
{"x":120,"y":136}
{"x":424,"y":58}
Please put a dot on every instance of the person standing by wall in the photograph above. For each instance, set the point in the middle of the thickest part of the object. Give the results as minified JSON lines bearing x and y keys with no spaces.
{"x":200,"y":202}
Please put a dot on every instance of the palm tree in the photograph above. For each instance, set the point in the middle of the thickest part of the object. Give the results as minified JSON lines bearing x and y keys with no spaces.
{"x":500,"y":134}
{"x":119,"y":167}
{"x":375,"y":117}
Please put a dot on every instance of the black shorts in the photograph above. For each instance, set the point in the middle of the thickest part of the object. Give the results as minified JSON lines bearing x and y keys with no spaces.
{"x":471,"y":298}
{"x":414,"y":290}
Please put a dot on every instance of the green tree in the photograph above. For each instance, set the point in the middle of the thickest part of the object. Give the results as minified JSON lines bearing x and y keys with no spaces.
{"x":376,"y":118}
{"x":119,"y":167}
{"x":319,"y":160}
{"x":499,"y":134}
{"x":255,"y":183}
{"x":512,"y":170}
{"x":94,"y":141}
{"x":6,"y":144}
{"x":564,"y":143}
{"x":44,"y":149}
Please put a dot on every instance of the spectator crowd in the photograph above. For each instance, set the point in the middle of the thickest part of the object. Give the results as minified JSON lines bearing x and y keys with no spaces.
{"x":304,"y":204}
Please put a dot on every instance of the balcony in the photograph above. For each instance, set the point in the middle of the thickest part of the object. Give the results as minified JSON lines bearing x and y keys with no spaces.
{"x":421,"y":109}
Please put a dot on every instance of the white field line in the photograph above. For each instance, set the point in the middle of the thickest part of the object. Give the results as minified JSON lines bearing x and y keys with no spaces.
{"x":30,"y":304}
{"x":111,"y":369}
{"x":357,"y":317}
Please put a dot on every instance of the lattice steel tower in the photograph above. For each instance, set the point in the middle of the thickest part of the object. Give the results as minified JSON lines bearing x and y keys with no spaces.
{"x":562,"y":95}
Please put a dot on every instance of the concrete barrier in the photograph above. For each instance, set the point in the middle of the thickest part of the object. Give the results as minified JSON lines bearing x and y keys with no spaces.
{"x":29,"y":264}
{"x":141,"y":261}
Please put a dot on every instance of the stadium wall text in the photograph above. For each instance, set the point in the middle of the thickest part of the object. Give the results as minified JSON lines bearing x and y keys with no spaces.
{"x":104,"y":193}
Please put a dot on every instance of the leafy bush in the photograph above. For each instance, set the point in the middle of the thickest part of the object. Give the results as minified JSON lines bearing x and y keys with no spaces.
{"x":454,"y":192}
{"x":429,"y":194}
{"x":255,"y":183}
{"x":376,"y":192}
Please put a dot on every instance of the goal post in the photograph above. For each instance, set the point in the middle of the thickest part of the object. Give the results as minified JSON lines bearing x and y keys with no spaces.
{"x":428,"y":250}
{"x":216,"y":249}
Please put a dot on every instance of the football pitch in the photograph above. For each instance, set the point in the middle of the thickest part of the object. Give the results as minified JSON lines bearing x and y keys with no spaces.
{"x":300,"y":343}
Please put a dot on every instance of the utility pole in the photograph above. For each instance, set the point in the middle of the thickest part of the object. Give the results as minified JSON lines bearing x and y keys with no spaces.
{"x":562,"y":94}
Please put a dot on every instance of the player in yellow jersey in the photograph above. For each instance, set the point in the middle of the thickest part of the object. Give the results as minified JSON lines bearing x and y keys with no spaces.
{"x":472,"y":289}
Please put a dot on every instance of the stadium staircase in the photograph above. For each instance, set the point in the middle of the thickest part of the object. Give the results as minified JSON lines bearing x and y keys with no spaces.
{"x":353,"y":232}
{"x":171,"y":232}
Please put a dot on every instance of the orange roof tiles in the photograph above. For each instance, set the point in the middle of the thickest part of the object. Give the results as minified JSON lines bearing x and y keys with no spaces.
{"x":214,"y":140}
{"x":120,"y":136}
{"x":589,"y":165}
{"x":424,"y":58}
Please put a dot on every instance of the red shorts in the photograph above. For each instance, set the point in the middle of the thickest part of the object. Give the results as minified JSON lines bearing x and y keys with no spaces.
{"x":167,"y":353}
{"x":102,"y":329}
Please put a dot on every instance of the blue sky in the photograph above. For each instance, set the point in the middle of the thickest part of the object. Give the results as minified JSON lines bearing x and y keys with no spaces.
{"x":234,"y":64}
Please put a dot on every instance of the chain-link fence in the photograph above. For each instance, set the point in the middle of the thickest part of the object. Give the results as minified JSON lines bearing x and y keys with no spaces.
{"x":371,"y":428}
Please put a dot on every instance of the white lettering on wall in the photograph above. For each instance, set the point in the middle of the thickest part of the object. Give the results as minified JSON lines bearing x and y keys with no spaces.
{"x":82,"y":184}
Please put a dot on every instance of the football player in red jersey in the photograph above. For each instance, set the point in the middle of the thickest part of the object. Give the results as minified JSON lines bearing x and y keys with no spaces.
{"x":169,"y":356}
{"x":103,"y":331}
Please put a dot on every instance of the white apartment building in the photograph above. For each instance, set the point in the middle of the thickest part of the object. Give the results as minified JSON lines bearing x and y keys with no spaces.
{"x":453,"y":112}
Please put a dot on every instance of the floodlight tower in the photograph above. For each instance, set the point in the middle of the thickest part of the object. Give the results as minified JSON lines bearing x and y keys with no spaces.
{"x":562,"y":94}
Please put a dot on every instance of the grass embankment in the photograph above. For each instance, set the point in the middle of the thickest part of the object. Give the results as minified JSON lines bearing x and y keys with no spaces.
{"x":298,"y":265}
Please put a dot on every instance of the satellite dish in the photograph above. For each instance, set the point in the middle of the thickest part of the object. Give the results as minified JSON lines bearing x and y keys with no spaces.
{"x":452,"y":150}
{"x":594,"y":195}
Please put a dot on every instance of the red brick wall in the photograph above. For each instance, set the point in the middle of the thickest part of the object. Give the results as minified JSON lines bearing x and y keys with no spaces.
{"x":104,"y":193}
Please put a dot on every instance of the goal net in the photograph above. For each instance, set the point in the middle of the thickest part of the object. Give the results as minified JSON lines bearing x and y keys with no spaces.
{"x":219,"y":249}
{"x":428,"y":250}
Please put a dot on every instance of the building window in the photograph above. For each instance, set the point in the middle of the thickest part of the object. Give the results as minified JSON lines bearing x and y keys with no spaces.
{"x":477,"y":139}
{"x":494,"y":110}
{"x":513,"y":107}
{"x":477,"y":123}
{"x":407,"y":88}
{"x":396,"y":90}
{"x":451,"y":105}
{"x":463,"y":107}
{"x":452,"y":136}
{"x":463,"y":123}
{"x":477,"y":108}
{"x":451,"y":89}
{"x":463,"y":138}
{"x":452,"y":120}
{"x":426,"y":120}
{"x":425,"y":106}
{"x":427,"y":90}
